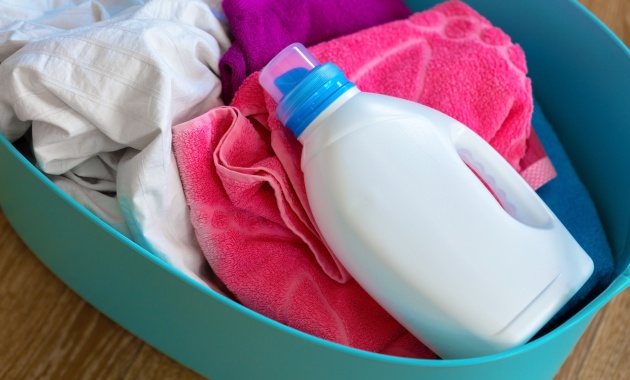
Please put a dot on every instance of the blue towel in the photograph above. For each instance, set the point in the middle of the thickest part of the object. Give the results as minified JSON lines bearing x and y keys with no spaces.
{"x":567,"y":197}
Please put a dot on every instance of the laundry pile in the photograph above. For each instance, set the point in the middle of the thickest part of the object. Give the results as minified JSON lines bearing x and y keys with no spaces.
{"x":149,"y":114}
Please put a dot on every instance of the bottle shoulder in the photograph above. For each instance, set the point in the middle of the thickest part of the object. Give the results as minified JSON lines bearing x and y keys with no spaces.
{"x":372,"y":121}
{"x":369,"y":108}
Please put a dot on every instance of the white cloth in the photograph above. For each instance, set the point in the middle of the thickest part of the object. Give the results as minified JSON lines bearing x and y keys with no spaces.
{"x":101,"y":99}
{"x":24,"y":21}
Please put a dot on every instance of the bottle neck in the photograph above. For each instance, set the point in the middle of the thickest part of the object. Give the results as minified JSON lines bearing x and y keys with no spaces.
{"x":307,"y":99}
{"x":341,"y":100}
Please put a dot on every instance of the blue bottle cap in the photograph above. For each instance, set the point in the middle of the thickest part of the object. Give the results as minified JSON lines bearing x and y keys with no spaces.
{"x":302,"y":87}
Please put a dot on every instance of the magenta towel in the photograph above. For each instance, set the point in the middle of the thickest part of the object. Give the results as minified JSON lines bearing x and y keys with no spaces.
{"x":261,"y":28}
{"x":241,"y":174}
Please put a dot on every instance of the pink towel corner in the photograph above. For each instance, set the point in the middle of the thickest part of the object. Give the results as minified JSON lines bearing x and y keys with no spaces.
{"x":241,"y":168}
{"x":261,"y":242}
{"x":452,"y":59}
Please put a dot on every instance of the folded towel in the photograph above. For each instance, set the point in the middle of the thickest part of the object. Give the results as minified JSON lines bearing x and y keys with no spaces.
{"x":257,"y":234}
{"x":240,"y":168}
{"x":451,"y":59}
{"x":262,"y":28}
{"x":567,"y":197}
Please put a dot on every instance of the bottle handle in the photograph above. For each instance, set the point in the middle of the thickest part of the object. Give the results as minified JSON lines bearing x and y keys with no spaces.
{"x":516,"y":196}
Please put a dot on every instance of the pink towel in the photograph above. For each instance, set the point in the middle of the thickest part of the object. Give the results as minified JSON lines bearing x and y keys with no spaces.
{"x":248,"y":206}
{"x":241,"y":168}
{"x":451,"y":59}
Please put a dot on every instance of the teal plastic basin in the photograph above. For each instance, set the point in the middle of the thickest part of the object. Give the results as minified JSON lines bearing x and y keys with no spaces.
{"x":581,"y":76}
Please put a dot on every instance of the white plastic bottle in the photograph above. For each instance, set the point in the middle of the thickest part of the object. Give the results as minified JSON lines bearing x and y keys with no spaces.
{"x":391,"y":189}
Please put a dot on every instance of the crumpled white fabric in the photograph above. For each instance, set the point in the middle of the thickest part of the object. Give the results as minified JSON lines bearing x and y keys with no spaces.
{"x":101,"y":94}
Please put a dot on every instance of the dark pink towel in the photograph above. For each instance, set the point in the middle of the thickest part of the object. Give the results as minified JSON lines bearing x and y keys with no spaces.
{"x":241,"y":174}
{"x":262,"y":28}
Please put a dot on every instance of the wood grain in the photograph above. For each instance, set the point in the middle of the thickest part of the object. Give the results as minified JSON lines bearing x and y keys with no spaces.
{"x":48,"y":332}
{"x":151,"y":364}
{"x":614,"y":13}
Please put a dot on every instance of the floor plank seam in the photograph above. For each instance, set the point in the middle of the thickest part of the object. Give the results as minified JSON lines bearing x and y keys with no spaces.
{"x":127,"y":370}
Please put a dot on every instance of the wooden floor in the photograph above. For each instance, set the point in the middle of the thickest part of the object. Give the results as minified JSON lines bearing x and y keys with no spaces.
{"x":48,"y":332}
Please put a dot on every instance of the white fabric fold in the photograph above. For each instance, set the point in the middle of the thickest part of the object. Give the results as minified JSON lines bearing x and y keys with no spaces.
{"x":101,"y":99}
